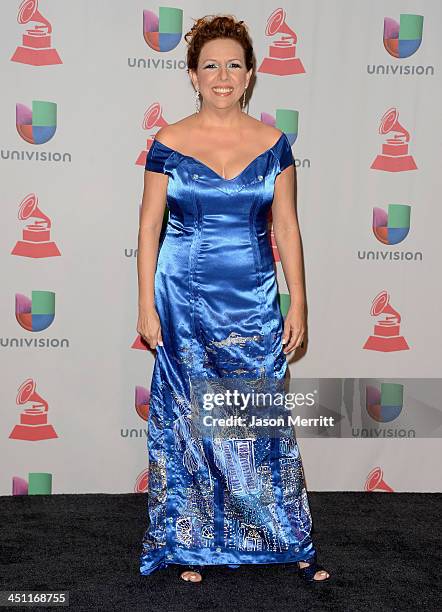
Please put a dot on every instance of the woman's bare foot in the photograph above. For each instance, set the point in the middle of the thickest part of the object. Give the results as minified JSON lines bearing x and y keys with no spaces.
{"x":320,"y":575}
{"x":191,"y":576}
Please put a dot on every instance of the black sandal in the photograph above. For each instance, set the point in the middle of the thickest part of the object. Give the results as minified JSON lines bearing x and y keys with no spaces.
{"x":198,"y":569}
{"x":307,"y":573}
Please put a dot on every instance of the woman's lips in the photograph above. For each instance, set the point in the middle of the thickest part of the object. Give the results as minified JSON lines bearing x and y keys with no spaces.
{"x":219,"y":91}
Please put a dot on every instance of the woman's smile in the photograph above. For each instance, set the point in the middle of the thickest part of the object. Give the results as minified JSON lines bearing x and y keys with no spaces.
{"x":222,"y":91}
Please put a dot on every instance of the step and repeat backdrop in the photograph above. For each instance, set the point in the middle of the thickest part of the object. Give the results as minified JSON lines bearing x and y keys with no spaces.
{"x":356,"y":87}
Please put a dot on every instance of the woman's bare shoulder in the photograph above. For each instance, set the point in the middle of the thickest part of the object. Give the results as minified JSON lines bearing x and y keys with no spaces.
{"x":263,"y":133}
{"x":174,"y":134}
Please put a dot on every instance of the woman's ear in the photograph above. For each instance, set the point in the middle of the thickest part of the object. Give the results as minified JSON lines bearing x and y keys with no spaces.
{"x":193,"y":78}
{"x":249,"y":76}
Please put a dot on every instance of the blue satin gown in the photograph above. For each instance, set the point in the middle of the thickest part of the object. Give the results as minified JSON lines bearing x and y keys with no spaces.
{"x":237,"y":501}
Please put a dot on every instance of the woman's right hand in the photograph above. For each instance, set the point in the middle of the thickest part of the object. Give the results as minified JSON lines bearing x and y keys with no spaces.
{"x":149,"y":326}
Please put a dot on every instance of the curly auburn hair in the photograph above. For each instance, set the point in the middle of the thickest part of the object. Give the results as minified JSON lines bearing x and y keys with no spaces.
{"x":211,"y":27}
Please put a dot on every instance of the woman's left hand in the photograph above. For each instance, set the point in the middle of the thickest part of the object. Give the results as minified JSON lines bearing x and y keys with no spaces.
{"x":294,"y":328}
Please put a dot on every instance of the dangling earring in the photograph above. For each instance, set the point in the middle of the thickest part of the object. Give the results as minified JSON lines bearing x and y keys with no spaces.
{"x":197,"y":100}
{"x":244,"y":100}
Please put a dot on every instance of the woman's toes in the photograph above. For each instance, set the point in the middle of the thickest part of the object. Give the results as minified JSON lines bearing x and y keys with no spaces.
{"x":192,"y":576}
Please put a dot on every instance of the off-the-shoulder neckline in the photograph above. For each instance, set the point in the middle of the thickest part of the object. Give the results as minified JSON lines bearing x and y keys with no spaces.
{"x":227,"y":180}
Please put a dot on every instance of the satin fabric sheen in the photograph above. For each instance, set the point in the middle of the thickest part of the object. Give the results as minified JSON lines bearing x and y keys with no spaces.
{"x":216,"y":297}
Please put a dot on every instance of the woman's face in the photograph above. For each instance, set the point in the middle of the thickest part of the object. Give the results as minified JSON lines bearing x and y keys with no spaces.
{"x":221,"y":75}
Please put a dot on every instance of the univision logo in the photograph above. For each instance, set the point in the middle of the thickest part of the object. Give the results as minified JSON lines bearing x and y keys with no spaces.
{"x":391,"y":227}
{"x":401,"y":40}
{"x":383,"y":404}
{"x":404,"y":38}
{"x":38,"y":483}
{"x":37,"y":313}
{"x":286,"y":119}
{"x":162,"y":33}
{"x":34,"y":314}
{"x":36,"y":125}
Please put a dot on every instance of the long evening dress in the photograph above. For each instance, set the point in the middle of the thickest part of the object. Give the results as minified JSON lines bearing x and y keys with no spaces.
{"x":224,"y":501}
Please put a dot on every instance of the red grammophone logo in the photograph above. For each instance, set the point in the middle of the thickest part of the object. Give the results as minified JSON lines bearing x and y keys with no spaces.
{"x":36,"y":237}
{"x":33,"y":424}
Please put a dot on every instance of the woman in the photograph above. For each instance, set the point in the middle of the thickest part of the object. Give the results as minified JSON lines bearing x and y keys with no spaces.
{"x":208,"y":303}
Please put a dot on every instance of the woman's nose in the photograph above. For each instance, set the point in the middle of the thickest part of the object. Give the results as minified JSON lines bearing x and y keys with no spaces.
{"x":224,"y":72}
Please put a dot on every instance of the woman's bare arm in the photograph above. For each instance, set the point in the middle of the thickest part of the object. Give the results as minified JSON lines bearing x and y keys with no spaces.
{"x":287,"y":235}
{"x":151,"y":221}
{"x":288,"y":241}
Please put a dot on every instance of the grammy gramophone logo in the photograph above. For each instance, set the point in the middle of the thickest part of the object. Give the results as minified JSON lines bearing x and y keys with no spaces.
{"x":36,"y":237}
{"x":36,"y":48}
{"x":142,"y":482}
{"x":33,"y":424}
{"x":386,"y":336}
{"x":140,"y":344}
{"x":394,"y":156}
{"x":163,"y":32}
{"x":153,"y":118}
{"x":375,"y":481}
{"x":281,"y":58}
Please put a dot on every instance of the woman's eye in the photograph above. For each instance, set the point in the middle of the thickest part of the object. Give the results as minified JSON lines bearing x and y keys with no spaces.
{"x":233,"y":64}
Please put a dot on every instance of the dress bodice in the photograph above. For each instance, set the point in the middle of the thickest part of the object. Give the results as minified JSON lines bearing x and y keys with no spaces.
{"x":196,"y":193}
